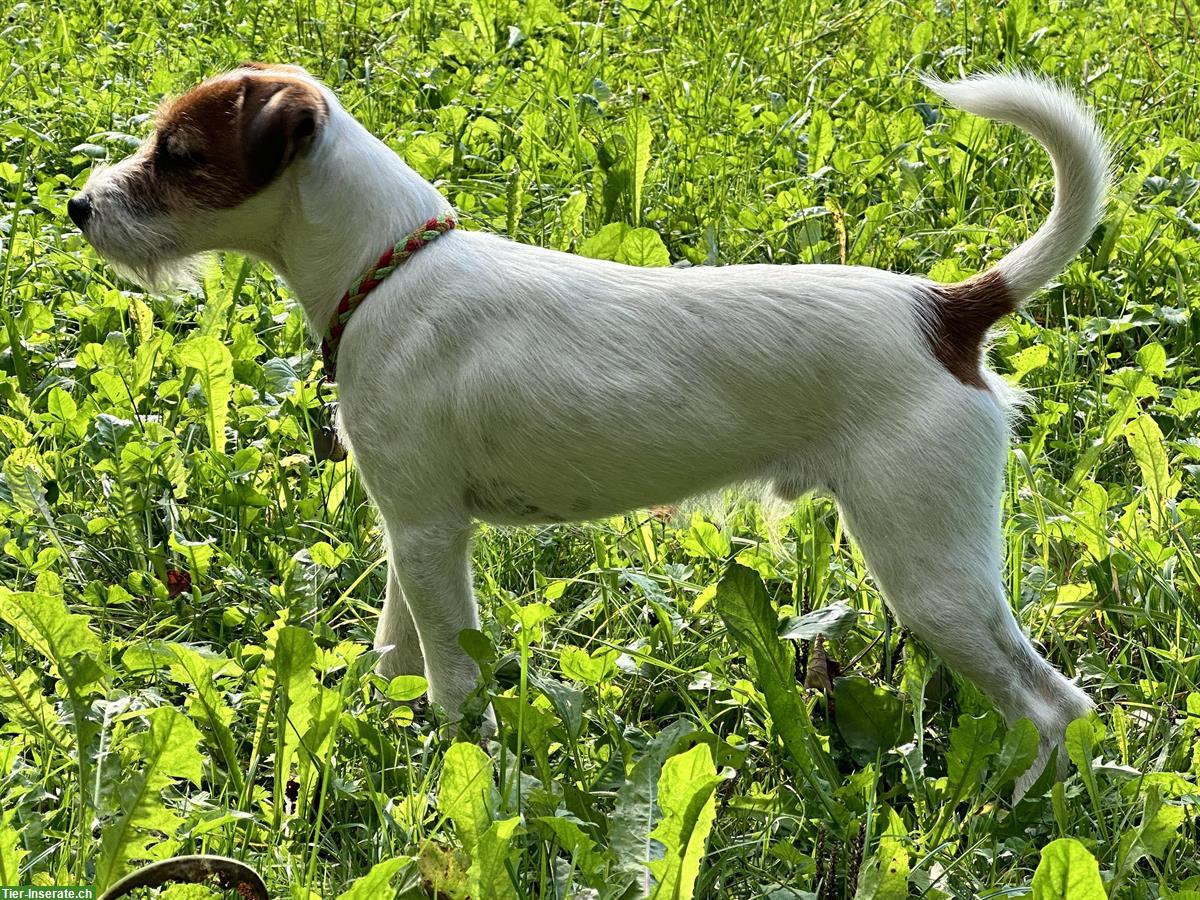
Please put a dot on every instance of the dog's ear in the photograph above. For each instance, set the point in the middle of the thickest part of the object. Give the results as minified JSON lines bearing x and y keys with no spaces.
{"x":279,"y":119}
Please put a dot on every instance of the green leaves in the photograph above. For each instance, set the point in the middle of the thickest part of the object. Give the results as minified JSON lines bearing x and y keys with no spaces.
{"x":25,"y":482}
{"x":742,"y":603}
{"x":212,"y":364}
{"x":885,"y":877}
{"x":832,"y":621}
{"x":1028,"y":360}
{"x":1158,"y":829}
{"x":593,"y":669}
{"x":624,"y":157}
{"x":25,"y":706}
{"x":68,"y":643}
{"x":145,"y":828}
{"x":300,"y":712}
{"x":1017,"y":753}
{"x":65,"y":639}
{"x":639,"y":149}
{"x":704,"y":540}
{"x":1081,"y":738}
{"x":605,"y":243}
{"x":621,"y":243}
{"x":429,"y":155}
{"x":869,"y":718}
{"x":575,"y":841}
{"x":973,"y":743}
{"x":466,"y":794}
{"x":685,"y":794}
{"x":642,"y":247}
{"x":1067,"y":871}
{"x":377,"y":882}
{"x":11,"y":851}
{"x":635,"y":811}
{"x":208,"y":705}
{"x":493,"y":860}
{"x":820,"y":139}
{"x":1145,"y":440}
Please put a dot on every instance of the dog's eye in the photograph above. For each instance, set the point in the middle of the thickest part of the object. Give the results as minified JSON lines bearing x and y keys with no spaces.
{"x":171,"y":157}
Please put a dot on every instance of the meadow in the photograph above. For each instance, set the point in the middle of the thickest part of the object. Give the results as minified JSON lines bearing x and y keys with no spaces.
{"x":714,"y":703}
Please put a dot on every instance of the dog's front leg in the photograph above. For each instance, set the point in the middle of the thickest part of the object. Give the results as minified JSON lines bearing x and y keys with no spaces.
{"x":431,"y":562}
{"x":396,"y":636}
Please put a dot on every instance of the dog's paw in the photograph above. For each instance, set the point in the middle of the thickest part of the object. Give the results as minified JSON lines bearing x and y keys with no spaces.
{"x":1050,"y":765}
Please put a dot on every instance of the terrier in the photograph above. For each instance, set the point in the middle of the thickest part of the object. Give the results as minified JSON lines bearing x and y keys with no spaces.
{"x":484,"y":379}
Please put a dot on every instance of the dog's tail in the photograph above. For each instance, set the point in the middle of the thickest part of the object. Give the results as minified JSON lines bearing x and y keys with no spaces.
{"x":1067,"y":130}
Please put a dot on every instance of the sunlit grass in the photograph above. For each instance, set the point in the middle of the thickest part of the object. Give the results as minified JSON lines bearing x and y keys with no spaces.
{"x":779,"y":131}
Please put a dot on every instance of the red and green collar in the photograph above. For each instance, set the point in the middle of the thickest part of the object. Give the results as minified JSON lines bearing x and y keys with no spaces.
{"x":393,"y":258}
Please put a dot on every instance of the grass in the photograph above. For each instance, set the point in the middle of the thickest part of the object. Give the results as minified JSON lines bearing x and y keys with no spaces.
{"x":188,"y":597}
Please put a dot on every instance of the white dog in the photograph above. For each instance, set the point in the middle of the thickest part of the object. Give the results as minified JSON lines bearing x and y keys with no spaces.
{"x":486,"y":379}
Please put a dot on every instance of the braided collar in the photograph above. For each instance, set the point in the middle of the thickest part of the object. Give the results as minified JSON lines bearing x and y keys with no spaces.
{"x":392,"y":258}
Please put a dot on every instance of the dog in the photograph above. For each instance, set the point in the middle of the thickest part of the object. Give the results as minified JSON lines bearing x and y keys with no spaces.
{"x":484,"y":379}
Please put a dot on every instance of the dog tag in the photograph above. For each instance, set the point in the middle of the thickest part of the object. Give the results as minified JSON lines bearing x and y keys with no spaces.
{"x":326,"y":443}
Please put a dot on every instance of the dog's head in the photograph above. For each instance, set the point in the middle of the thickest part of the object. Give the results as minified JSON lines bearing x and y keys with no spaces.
{"x":208,"y":171}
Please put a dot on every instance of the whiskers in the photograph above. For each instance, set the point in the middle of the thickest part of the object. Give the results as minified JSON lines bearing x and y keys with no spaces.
{"x":143,"y":250}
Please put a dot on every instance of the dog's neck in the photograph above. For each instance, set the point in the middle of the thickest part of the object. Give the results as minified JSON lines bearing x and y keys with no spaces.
{"x":350,"y":199}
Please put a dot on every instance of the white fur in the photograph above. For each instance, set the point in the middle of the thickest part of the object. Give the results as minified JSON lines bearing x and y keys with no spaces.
{"x":491,"y":379}
{"x":1054,"y":117}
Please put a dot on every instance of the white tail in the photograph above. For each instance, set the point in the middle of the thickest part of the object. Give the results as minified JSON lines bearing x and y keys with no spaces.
{"x":1057,"y":120}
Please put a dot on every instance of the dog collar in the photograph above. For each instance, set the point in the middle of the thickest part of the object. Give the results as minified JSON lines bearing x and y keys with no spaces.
{"x":392,"y":258}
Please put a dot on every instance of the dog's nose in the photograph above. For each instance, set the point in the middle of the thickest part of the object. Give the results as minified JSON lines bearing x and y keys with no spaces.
{"x":79,"y":208}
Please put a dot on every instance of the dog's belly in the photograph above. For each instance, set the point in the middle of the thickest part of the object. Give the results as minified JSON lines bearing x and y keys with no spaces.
{"x":509,"y":506}
{"x":543,"y":472}
{"x":531,"y":487}
{"x":503,"y":504}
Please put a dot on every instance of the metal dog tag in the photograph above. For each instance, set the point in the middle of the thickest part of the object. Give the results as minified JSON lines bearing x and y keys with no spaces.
{"x":326,"y":443}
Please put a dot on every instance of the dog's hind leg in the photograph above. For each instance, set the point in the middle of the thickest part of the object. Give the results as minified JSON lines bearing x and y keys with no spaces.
{"x":921,"y":499}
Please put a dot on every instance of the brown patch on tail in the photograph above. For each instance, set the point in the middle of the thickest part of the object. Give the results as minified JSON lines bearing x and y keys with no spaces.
{"x":961,"y":316}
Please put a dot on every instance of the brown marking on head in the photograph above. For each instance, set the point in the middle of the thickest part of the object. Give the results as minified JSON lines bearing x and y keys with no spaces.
{"x":225,"y":140}
{"x":281,"y":68}
{"x":961,"y":316}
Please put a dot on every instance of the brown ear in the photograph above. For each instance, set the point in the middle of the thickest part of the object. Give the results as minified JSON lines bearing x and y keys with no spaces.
{"x":279,"y":119}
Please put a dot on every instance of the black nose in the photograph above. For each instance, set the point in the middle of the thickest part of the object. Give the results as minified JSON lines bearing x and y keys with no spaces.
{"x":79,"y":208}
